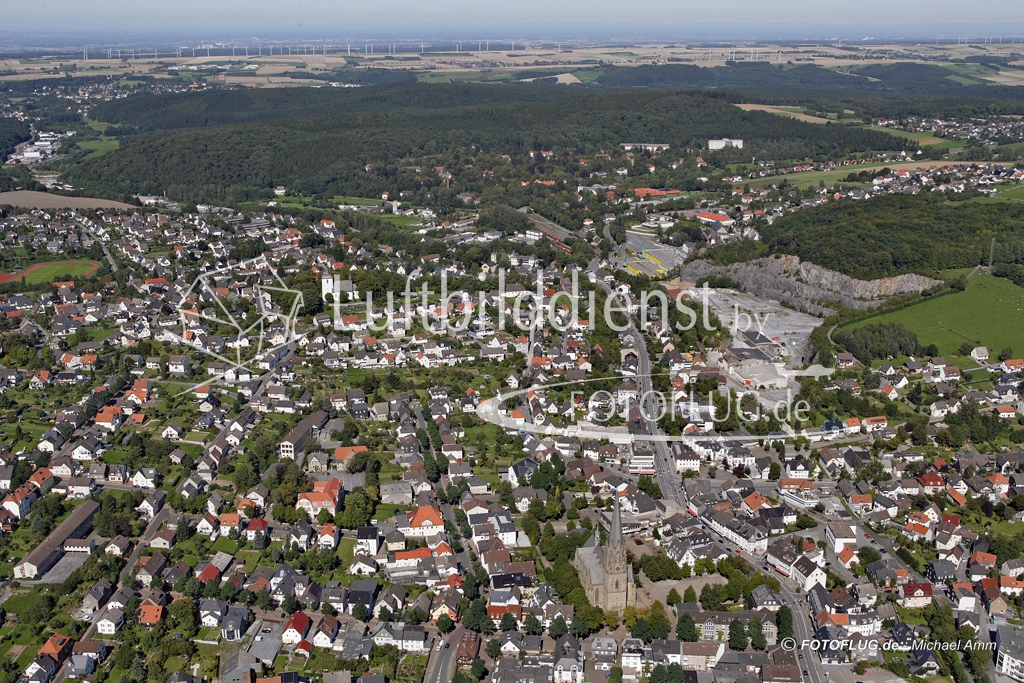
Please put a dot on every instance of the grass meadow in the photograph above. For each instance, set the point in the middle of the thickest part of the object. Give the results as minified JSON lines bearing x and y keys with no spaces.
{"x":990,"y":312}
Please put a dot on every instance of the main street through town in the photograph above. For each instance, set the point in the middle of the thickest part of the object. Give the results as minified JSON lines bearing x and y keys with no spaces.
{"x":441,"y":666}
{"x":663,"y":462}
{"x":662,"y":458}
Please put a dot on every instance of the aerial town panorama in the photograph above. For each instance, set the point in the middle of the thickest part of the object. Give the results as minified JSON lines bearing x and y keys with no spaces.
{"x":338,"y":347}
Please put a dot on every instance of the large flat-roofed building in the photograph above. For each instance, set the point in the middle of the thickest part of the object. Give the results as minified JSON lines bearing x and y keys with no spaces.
{"x":645,"y":146}
{"x":1010,"y":651}
{"x":723,"y":143}
{"x":714,"y":626}
{"x":77,"y":525}
{"x":292,"y":444}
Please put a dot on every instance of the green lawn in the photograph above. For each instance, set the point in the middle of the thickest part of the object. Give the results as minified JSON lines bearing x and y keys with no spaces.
{"x":362,"y":201}
{"x":225,"y":545}
{"x":386,"y":511}
{"x":99,"y":147}
{"x":251,"y":560}
{"x":176,"y":663}
{"x":488,"y":475}
{"x":432,"y":78}
{"x":397,"y":221}
{"x":1004,"y":528}
{"x":26,"y":656}
{"x":101,"y":334}
{"x":208,"y":633}
{"x":1016,"y":193}
{"x":17,"y":604}
{"x":911,"y":617}
{"x":989,"y":312}
{"x":346,"y":549}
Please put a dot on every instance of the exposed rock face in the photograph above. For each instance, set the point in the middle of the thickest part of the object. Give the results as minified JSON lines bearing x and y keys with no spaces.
{"x":806,"y":286}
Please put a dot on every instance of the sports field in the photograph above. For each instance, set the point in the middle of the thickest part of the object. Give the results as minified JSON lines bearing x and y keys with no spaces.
{"x":990,"y":312}
{"x":55,"y":271}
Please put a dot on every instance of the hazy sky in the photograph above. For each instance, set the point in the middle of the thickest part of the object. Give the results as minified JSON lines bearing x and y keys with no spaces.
{"x":561,"y":16}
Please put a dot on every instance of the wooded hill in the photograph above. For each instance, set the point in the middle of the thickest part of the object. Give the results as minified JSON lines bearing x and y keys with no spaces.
{"x":147,"y":112}
{"x":12,"y":132}
{"x":895,"y":234}
{"x":775,"y":82}
{"x":324,"y":148}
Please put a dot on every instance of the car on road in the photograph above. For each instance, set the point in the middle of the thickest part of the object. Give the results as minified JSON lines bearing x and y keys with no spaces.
{"x":440,"y":646}
{"x":867,"y":536}
{"x":638,"y":541}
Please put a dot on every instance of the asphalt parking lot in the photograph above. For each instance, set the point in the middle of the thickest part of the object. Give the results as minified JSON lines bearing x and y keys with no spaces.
{"x":845,"y":673}
{"x":659,"y":591}
{"x":62,"y":570}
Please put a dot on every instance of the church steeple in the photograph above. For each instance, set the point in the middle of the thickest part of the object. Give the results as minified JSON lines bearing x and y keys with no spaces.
{"x":615,"y":533}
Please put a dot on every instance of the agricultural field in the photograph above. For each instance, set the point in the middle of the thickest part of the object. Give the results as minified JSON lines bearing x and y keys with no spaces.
{"x":99,"y":147}
{"x":30,"y":199}
{"x":923,"y":138}
{"x":1013,"y":194}
{"x":812,"y":178}
{"x":989,"y":312}
{"x":794,"y":112}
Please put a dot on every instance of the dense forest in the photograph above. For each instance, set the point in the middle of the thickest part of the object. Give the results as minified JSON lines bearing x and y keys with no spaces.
{"x":880,"y":341}
{"x":804,"y":82}
{"x":327,"y":152}
{"x":895,"y":234}
{"x":148,"y":112}
{"x":12,"y":133}
{"x":890,"y":90}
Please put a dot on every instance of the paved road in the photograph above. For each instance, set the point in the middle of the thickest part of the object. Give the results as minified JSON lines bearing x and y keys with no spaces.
{"x":802,"y":630}
{"x":463,"y":555}
{"x":103,"y":245}
{"x":441,"y":666}
{"x":154,"y":525}
{"x":663,"y":460}
{"x":421,"y":423}
{"x":884,"y":545}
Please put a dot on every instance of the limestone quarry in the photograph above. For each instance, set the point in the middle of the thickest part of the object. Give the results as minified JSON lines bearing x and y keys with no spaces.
{"x":806,"y":286}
